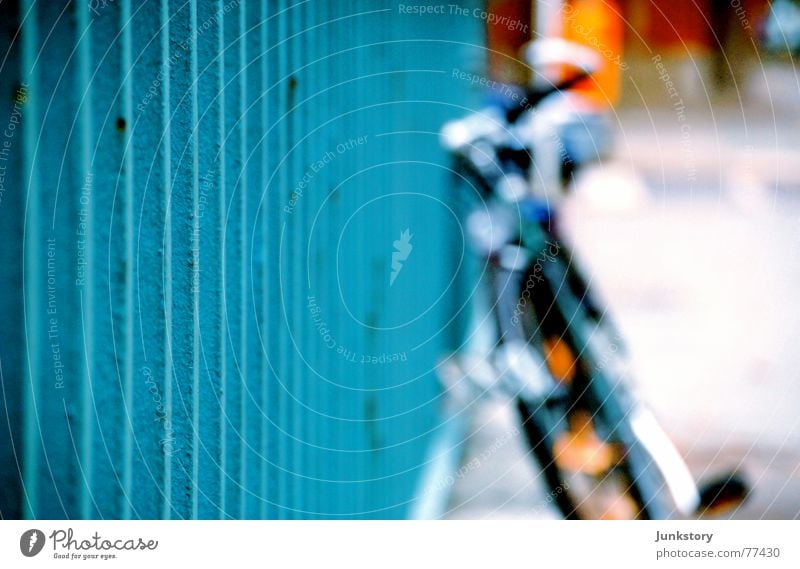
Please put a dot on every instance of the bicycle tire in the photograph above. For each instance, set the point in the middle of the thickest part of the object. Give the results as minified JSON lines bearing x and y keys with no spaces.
{"x":554,"y":312}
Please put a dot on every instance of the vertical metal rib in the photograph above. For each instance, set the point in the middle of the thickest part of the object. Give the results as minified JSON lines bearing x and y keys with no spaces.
{"x":208,"y":278}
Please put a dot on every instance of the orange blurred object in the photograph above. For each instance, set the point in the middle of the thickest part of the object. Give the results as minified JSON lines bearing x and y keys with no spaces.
{"x":581,"y":450}
{"x":559,"y":359}
{"x":598,"y":25}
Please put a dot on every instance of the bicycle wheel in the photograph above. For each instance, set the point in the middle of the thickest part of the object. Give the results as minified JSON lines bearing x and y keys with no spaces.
{"x":587,"y":476}
{"x":594,"y":464}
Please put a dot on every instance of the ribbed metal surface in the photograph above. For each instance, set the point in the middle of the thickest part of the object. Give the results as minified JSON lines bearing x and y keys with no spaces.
{"x":206,"y":199}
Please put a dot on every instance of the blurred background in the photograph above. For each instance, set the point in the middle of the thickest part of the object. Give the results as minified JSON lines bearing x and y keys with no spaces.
{"x":200,"y":206}
{"x":689,"y":230}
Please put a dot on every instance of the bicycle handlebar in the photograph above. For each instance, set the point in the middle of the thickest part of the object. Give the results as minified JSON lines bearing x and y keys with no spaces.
{"x":534,"y":96}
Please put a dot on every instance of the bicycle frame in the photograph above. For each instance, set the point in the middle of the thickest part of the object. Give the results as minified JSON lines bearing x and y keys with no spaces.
{"x":523,"y":250}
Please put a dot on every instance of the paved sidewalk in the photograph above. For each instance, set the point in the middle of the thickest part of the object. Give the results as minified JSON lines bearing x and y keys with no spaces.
{"x":701,"y":277}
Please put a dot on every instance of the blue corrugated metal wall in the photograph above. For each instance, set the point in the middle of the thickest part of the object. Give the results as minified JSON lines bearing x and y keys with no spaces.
{"x":199,"y":316}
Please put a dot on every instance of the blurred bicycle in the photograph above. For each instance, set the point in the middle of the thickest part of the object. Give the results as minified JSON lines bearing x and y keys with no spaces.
{"x":555,"y":352}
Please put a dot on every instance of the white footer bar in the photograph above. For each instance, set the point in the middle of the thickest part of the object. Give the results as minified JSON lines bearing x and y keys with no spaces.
{"x":375,"y":544}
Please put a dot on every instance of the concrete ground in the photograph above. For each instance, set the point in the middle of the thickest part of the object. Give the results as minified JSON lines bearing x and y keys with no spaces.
{"x":694,"y":247}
